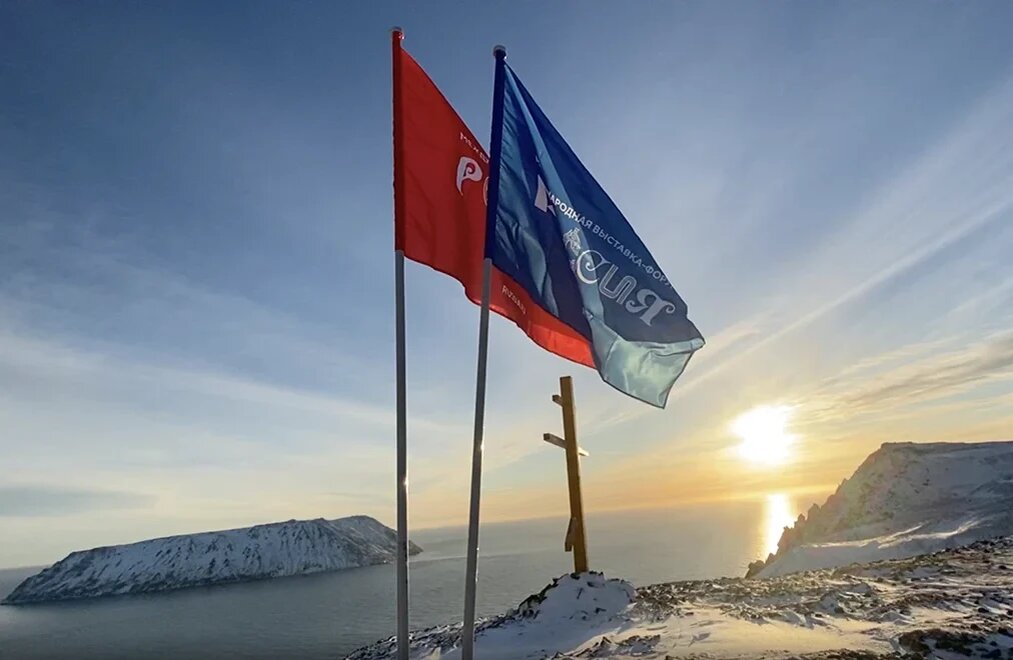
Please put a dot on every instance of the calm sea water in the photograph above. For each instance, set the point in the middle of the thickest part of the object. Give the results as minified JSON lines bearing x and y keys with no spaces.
{"x":326,"y":616}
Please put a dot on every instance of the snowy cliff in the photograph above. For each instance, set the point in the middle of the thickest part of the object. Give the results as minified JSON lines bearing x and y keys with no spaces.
{"x":295,"y":547}
{"x":905,"y":499}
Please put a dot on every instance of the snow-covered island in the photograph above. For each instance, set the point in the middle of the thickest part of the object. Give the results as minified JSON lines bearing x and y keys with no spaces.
{"x":912,"y":555}
{"x":295,"y":547}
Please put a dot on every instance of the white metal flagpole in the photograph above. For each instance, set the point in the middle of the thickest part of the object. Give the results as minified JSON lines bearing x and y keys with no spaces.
{"x":402,"y":465}
{"x":471,"y":572}
{"x":402,"y":422}
{"x":471,"y":575}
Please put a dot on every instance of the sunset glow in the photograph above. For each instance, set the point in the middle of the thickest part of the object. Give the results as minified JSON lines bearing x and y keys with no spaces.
{"x":764,"y":434}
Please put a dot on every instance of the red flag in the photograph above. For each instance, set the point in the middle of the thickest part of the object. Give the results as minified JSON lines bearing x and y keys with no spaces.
{"x":440,"y":180}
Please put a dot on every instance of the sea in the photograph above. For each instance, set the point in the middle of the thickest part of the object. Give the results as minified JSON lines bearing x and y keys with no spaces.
{"x":330,"y":615}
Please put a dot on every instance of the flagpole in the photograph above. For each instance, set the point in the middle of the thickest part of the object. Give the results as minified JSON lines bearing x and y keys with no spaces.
{"x":401,"y":571}
{"x":471,"y":571}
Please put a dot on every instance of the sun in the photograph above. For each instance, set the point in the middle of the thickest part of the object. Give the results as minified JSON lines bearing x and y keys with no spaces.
{"x":764,"y":433}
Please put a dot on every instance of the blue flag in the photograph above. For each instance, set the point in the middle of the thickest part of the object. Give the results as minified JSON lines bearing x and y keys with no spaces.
{"x":557,"y":234}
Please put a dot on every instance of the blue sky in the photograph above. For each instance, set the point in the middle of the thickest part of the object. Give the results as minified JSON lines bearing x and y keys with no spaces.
{"x":196,"y":318}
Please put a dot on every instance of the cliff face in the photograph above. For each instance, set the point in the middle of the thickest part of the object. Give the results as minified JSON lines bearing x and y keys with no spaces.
{"x":905,"y":499}
{"x":295,"y":547}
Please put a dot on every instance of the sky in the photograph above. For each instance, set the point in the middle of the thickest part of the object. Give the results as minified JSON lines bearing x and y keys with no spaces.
{"x":196,"y":272}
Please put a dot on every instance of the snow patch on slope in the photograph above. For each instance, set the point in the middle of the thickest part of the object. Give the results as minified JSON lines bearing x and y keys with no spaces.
{"x":560,"y":616}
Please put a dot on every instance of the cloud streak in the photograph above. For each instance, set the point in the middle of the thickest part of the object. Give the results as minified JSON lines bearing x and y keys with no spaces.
{"x":56,"y":361}
{"x":957,"y":188}
{"x":935,"y":374}
{"x":32,"y":501}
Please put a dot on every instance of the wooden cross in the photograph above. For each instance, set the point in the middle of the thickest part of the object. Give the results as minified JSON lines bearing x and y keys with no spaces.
{"x":576,"y":537}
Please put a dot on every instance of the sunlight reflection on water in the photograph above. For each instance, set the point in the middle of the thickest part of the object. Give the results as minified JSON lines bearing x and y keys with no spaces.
{"x":777,"y":514}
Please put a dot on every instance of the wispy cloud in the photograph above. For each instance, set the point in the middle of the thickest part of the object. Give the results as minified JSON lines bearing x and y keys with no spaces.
{"x":962,"y":184}
{"x":51,"y":360}
{"x":932,"y":374}
{"x":30,"y":501}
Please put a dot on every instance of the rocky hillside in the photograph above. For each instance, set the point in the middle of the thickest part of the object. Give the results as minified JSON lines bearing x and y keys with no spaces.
{"x":905,"y":499}
{"x":950,"y":604}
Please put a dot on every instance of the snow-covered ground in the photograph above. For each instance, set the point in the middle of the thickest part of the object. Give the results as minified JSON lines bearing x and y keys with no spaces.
{"x":250,"y":553}
{"x":905,"y":499}
{"x":949,"y":604}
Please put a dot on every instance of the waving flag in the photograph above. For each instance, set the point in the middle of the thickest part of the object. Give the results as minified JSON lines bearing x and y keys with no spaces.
{"x":440,"y":182}
{"x":558,"y":235}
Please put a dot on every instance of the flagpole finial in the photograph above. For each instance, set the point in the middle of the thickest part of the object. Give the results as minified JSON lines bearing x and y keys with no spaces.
{"x":397,"y":33}
{"x":499,"y":52}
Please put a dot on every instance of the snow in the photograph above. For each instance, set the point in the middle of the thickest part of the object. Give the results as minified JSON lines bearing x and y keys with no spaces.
{"x":906,"y":543}
{"x":954,"y":603}
{"x":905,"y":499}
{"x":559,"y":616}
{"x":567,"y":608}
{"x":294,"y":547}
